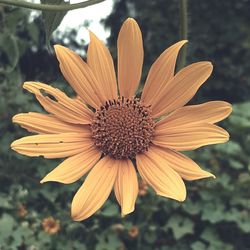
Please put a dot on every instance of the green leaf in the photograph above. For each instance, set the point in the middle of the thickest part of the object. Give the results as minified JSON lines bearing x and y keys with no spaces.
{"x":110,"y":210}
{"x":44,"y":238}
{"x":14,"y":18}
{"x":192,"y":207}
{"x":51,"y":196}
{"x":240,"y":116}
{"x":213,"y":212}
{"x":198,"y":245}
{"x":33,"y":32}
{"x":17,"y":238}
{"x":236,"y":164}
{"x":150,"y":237}
{"x":111,"y":242}
{"x":7,"y":224}
{"x":244,"y":226}
{"x":211,"y":236}
{"x":8,"y":43}
{"x":180,"y":226}
{"x":52,"y":19}
{"x":230,"y":148}
{"x":4,"y":202}
{"x":244,"y":178}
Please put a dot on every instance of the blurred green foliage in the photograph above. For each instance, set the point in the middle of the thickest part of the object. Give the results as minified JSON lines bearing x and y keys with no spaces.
{"x":218,"y":31}
{"x":216,"y":213}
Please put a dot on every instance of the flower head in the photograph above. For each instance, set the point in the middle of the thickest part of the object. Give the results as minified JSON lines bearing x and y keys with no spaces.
{"x":143,"y":188}
{"x":102,"y":131}
{"x":133,"y":232}
{"x":50,"y":225}
{"x":22,"y":210}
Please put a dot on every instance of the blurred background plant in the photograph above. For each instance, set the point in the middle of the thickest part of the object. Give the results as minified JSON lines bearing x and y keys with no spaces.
{"x":216,"y":214}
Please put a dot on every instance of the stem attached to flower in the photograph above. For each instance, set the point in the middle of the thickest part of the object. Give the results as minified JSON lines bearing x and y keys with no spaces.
{"x":50,"y":7}
{"x":183,"y":32}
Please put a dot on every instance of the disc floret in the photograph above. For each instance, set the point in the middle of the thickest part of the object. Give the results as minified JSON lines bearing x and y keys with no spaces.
{"x":123,"y":128}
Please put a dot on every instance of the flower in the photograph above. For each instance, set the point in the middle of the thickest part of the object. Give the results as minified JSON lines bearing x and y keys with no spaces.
{"x":50,"y":225}
{"x":143,"y":188}
{"x":22,"y":211}
{"x":102,"y":132}
{"x":133,"y":231}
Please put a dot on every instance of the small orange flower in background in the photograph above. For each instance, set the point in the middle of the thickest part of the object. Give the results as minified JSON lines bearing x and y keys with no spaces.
{"x":143,"y":188}
{"x":102,"y":131}
{"x":21,"y":210}
{"x":50,"y":225}
{"x":133,"y":232}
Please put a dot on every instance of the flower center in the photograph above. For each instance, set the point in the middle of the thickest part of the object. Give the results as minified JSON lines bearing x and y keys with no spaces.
{"x":123,"y":128}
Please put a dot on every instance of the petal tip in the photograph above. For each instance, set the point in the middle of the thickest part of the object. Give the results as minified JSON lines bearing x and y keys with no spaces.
{"x":126,"y":212}
{"x":45,"y":179}
{"x":205,"y":65}
{"x":227,"y":136}
{"x":183,"y":41}
{"x":77,"y":213}
{"x":14,"y":118}
{"x":183,"y":196}
{"x":91,"y":36}
{"x":206,"y":174}
{"x":180,"y":198}
{"x":91,"y":33}
{"x":210,"y":65}
{"x":130,"y":19}
{"x":230,"y":108}
{"x":209,"y":175}
{"x":28,"y":85}
{"x":57,"y":46}
{"x":227,"y":107}
{"x":75,"y":216}
{"x":12,"y":145}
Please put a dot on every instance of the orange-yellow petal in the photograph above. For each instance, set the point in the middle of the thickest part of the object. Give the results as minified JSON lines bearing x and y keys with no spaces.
{"x":180,"y":163}
{"x":80,"y":77}
{"x":161,"y":72}
{"x":101,"y":64}
{"x":126,"y":186}
{"x":45,"y":124}
{"x":53,"y":145}
{"x":95,"y":189}
{"x":209,"y":112}
{"x":130,"y":57}
{"x":73,"y":168}
{"x":180,"y":89}
{"x":157,"y":173}
{"x":184,"y":137}
{"x":66,"y":109}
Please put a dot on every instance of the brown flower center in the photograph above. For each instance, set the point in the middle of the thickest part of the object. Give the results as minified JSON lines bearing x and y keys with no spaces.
{"x":123,"y":128}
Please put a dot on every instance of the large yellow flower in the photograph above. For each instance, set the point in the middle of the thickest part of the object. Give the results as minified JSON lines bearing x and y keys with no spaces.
{"x":103,"y":132}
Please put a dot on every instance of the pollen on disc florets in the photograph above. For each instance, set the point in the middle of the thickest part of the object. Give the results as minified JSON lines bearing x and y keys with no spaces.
{"x":123,"y":128}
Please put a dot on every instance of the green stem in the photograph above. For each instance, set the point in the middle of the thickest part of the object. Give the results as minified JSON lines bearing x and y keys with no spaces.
{"x":183,"y":32}
{"x":50,"y":7}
